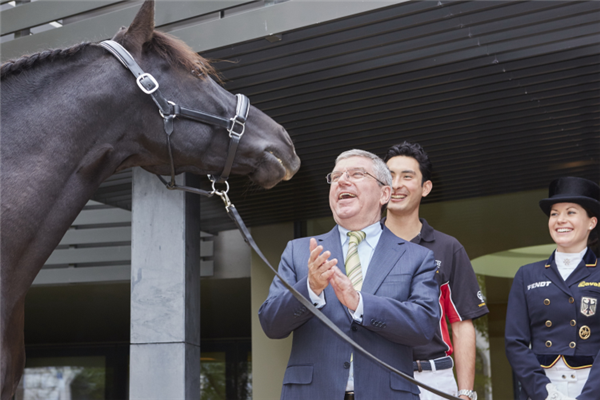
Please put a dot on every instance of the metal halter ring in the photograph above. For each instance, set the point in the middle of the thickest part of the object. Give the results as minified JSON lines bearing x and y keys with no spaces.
{"x":161,"y":113}
{"x":214,"y":189}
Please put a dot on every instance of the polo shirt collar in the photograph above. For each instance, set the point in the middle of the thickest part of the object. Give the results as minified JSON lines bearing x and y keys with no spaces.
{"x":427,"y":232}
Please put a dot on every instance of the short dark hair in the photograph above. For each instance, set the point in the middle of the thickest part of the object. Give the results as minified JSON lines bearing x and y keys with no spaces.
{"x":415,"y":151}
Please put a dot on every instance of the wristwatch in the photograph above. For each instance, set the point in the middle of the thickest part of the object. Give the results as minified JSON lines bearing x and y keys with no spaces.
{"x":469,"y":393}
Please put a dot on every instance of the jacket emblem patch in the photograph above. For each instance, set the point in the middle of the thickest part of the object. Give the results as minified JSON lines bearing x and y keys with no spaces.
{"x":588,"y":306}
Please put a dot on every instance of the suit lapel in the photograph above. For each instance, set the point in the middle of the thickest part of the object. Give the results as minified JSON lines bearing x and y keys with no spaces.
{"x":387,"y":253}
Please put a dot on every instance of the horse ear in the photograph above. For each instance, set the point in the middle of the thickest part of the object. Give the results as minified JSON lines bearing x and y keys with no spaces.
{"x":140,"y":31}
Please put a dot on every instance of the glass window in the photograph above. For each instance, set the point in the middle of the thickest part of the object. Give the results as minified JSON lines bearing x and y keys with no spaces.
{"x":63,"y":378}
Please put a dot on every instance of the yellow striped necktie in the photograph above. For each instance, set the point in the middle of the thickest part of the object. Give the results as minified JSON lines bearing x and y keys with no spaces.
{"x":353,"y":268}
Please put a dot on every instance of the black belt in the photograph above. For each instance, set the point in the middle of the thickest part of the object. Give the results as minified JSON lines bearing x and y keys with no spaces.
{"x":440,"y":363}
{"x":349,"y":396}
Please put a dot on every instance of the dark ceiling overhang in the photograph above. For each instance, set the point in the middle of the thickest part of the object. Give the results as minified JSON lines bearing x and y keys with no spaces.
{"x":504,"y":96}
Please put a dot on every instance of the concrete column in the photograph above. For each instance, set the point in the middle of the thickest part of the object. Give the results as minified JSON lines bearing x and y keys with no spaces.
{"x":165,"y":291}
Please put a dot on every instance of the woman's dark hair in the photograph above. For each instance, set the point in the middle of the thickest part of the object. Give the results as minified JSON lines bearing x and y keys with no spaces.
{"x":415,"y":151}
{"x":593,"y":241}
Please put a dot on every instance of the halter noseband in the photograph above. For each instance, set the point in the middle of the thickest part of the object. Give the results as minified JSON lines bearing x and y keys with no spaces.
{"x":169,"y":111}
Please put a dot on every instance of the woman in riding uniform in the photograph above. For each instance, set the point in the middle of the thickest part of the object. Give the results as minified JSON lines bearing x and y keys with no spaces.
{"x":552,"y":330}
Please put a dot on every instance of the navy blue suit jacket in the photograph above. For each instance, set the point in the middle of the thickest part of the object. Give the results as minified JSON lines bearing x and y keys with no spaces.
{"x":401,"y":309}
{"x":552,"y":314}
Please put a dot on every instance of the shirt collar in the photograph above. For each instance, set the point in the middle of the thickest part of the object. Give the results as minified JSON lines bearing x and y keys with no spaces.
{"x":427,"y":232}
{"x":589,"y":258}
{"x":373,"y":232}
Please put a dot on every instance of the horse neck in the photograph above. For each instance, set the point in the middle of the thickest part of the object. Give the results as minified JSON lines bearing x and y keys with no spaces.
{"x":64,"y":130}
{"x":69,"y":110}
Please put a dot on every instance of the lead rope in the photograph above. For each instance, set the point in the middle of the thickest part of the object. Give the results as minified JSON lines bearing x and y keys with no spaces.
{"x":235,"y":216}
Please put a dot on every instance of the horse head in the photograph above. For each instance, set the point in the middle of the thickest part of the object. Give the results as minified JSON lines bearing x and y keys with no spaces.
{"x":265,"y":152}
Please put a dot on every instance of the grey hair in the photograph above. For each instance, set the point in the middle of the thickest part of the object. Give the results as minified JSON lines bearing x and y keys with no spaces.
{"x":380,"y":168}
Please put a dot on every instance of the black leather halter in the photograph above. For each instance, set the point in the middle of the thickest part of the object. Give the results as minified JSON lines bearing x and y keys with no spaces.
{"x":169,"y":111}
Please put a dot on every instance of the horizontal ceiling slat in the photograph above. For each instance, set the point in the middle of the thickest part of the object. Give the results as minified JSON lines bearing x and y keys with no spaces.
{"x":257,"y":48}
{"x":464,"y":117}
{"x":450,"y":38}
{"x":409,"y":15}
{"x":441,"y":98}
{"x":477,"y":55}
{"x":351,"y":41}
{"x":463,"y":72}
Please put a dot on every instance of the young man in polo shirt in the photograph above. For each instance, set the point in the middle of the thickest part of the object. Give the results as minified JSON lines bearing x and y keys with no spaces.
{"x":461,"y":300}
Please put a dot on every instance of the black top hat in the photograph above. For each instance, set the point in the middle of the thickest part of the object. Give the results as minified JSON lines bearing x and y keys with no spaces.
{"x":571,"y":189}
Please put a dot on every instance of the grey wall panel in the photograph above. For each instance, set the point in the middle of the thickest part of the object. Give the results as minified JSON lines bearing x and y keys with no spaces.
{"x":60,"y":276}
{"x":95,"y":236}
{"x":110,"y":216}
{"x":42,"y":11}
{"x":90,"y":255}
{"x":106,"y":25}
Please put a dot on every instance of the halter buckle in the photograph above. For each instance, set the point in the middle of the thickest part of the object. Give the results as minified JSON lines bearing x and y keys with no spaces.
{"x":142,"y":82}
{"x":233,"y":133}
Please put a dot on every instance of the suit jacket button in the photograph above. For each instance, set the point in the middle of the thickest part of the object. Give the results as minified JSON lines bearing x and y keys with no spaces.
{"x":547,"y":302}
{"x":354,"y":328}
{"x":346,"y":365}
{"x":548,"y":323}
{"x":572,"y":345}
{"x":573,"y":322}
{"x":548,"y":343}
{"x":571,"y":300}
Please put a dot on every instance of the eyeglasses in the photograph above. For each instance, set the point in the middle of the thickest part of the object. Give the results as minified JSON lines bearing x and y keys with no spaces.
{"x":353,"y":174}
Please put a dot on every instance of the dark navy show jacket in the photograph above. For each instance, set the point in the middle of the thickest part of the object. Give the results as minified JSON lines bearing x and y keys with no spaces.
{"x":557,"y":318}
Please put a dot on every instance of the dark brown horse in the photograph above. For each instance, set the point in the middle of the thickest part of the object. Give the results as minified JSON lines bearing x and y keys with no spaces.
{"x":73,"y":117}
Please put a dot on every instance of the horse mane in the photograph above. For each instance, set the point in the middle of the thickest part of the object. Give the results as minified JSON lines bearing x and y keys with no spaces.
{"x":168,"y":47}
{"x":176,"y":51}
{"x":27,"y":62}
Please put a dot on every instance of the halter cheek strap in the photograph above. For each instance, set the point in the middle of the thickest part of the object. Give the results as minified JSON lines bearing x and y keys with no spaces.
{"x":169,"y":111}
